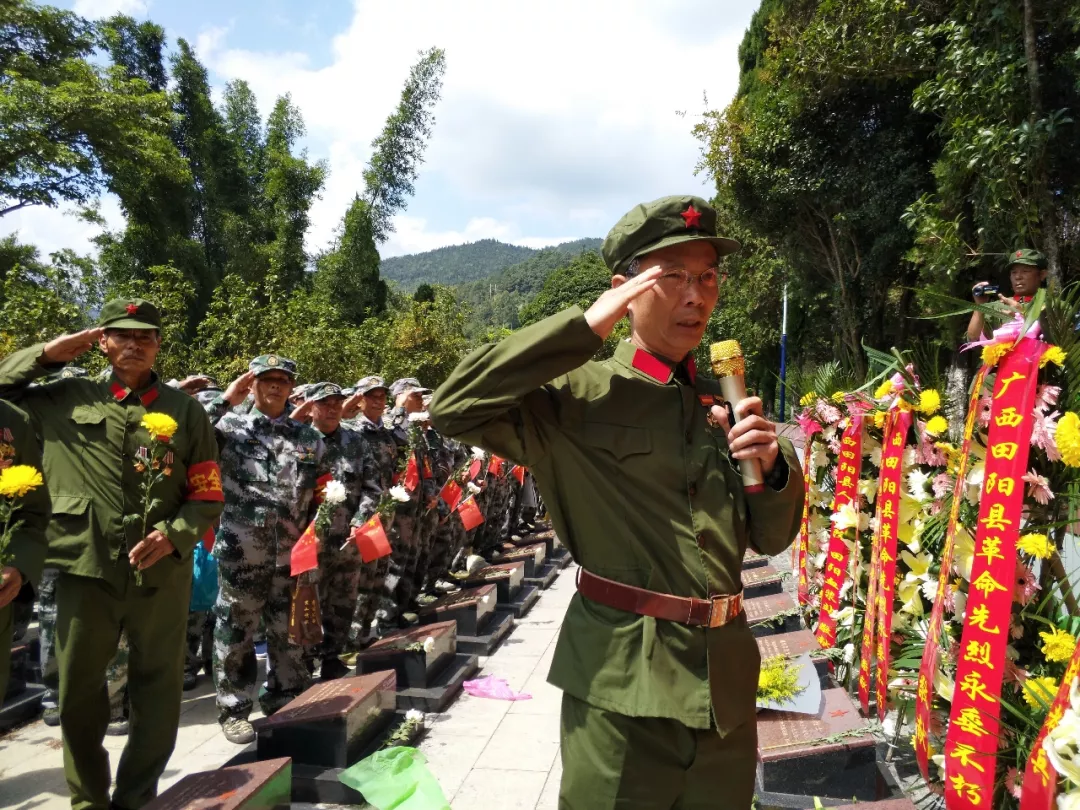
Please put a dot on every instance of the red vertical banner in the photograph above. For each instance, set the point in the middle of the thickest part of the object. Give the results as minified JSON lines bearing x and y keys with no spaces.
{"x":1040,"y":779}
{"x":836,"y":561}
{"x":971,"y":743}
{"x":803,"y":546}
{"x":892,"y":467}
{"x":924,"y":699}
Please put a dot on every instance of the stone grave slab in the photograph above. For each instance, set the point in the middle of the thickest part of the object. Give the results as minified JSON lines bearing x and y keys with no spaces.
{"x":331,"y":722}
{"x":888,"y":804}
{"x":532,"y":555}
{"x":771,"y":614}
{"x":507,"y":578}
{"x":751,"y":559}
{"x":792,"y":645}
{"x":417,"y":654}
{"x":490,"y":636}
{"x":442,"y":689}
{"x":830,"y":755}
{"x":545,"y":577}
{"x":762,"y":581}
{"x":522,"y":602}
{"x":545,"y":536}
{"x":471,"y":608}
{"x":263,"y":785}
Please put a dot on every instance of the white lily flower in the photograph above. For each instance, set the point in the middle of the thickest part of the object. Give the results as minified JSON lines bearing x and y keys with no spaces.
{"x":414,"y":716}
{"x":399,"y":493}
{"x":1062,"y":745}
{"x":960,"y":606}
{"x":1066,"y":801}
{"x":868,"y":488}
{"x":944,"y":685}
{"x":864,"y":521}
{"x":335,"y":493}
{"x":429,"y":644}
{"x":845,"y":518}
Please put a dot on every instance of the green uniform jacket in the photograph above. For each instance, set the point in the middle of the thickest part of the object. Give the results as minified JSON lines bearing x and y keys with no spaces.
{"x":641,"y":490}
{"x":18,"y":445}
{"x":90,"y":432}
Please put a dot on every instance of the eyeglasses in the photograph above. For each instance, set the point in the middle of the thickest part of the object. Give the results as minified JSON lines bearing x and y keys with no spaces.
{"x":140,"y":337}
{"x":675,"y":278}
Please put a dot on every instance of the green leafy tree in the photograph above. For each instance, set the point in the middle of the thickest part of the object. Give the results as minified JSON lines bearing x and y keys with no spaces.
{"x":348,"y":274}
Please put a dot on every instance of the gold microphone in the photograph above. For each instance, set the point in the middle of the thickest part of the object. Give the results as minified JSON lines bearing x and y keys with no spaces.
{"x":727,"y":362}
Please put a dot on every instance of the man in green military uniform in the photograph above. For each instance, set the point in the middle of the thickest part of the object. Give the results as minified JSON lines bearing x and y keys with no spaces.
{"x":27,"y":546}
{"x":111,"y":575}
{"x":1027,"y":272}
{"x":638,"y":468}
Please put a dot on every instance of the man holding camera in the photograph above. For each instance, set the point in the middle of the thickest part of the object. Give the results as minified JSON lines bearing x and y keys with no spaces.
{"x":1027,"y":272}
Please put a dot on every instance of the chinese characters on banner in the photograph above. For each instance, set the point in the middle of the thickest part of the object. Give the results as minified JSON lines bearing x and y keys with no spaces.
{"x":937,"y":614}
{"x":802,"y":549}
{"x":836,"y":561}
{"x":1040,"y":779}
{"x":971,"y":742}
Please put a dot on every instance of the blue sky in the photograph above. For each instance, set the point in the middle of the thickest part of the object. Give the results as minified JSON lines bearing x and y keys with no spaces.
{"x":556,"y":116}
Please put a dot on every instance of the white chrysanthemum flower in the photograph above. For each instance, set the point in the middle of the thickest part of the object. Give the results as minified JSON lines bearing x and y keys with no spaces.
{"x":875,"y":457}
{"x":414,"y":716}
{"x":819,"y":458}
{"x":478,"y":453}
{"x":911,"y":455}
{"x":828,"y":432}
{"x":399,"y":493}
{"x":420,"y":416}
{"x":429,"y":644}
{"x":474,"y":489}
{"x":849,"y":653}
{"x":335,"y":493}
{"x":916,"y":482}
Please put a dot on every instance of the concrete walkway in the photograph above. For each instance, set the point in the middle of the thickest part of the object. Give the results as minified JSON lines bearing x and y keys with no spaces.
{"x":485,"y":753}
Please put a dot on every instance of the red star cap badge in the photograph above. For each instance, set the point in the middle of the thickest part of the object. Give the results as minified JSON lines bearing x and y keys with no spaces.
{"x":692,"y":216}
{"x":1019,"y":253}
{"x":132,"y":309}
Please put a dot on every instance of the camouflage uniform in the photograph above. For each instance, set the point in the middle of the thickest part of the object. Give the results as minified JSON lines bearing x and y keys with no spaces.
{"x":491,"y":533}
{"x":200,"y":642}
{"x":407,"y":539}
{"x":383,"y":448}
{"x":352,"y":462}
{"x":450,"y":534}
{"x":270,"y":469}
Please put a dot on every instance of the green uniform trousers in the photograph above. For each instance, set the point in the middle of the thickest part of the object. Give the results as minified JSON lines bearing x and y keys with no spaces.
{"x":614,"y":762}
{"x":7,"y":626}
{"x":89,"y":618}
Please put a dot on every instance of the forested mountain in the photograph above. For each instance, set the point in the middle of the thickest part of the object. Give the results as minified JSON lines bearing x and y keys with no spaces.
{"x":462,"y":264}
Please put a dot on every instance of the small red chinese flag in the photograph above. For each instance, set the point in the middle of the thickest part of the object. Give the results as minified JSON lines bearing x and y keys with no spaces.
{"x":371,"y":540}
{"x":412,"y":475}
{"x":305,"y":554}
{"x":495,"y":466}
{"x":451,"y":493}
{"x":470,"y":514}
{"x":474,"y":468}
{"x":519,"y":473}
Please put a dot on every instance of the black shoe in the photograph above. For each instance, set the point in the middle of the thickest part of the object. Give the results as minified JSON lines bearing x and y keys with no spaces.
{"x":51,"y":716}
{"x":191,"y":680}
{"x":118,"y":728}
{"x":333,"y":668}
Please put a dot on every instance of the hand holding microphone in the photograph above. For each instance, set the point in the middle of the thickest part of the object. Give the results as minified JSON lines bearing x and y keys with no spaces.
{"x":752,"y":439}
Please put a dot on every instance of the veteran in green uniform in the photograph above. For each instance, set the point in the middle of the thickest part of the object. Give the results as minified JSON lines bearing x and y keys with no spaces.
{"x":111,"y":575}
{"x":638,"y":467}
{"x":25,"y":555}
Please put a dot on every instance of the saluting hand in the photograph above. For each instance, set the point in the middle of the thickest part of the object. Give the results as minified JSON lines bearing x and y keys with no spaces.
{"x":238,"y":388}
{"x":301,"y":411}
{"x":610,"y":307}
{"x":66,"y":348}
{"x":10,"y":584}
{"x":753,"y":436}
{"x":148,"y":551}
{"x":194,"y":384}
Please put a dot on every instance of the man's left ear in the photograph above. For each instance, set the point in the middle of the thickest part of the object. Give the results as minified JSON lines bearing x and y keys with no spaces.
{"x":617,"y":281}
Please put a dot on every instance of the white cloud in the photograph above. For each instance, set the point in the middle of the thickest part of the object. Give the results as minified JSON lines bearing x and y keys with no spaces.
{"x":51,"y":229}
{"x":548,"y":108}
{"x":96,"y":9}
{"x":413,"y":235}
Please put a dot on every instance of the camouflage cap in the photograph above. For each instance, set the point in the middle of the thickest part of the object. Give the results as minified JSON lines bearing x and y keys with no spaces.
{"x":409,"y":385}
{"x":660,"y":224}
{"x":1029,"y":257}
{"x":323,"y":390}
{"x":272,"y":362}
{"x":207,"y":395}
{"x":129,"y":313}
{"x":371,"y":383}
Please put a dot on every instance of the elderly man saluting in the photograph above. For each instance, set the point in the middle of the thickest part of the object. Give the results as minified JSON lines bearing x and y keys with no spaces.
{"x":112,"y":577}
{"x":638,"y":467}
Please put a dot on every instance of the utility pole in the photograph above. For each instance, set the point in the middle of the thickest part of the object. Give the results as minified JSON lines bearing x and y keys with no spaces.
{"x":783,"y":357}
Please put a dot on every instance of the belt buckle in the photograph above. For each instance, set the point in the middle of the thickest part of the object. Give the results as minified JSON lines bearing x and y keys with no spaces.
{"x":721,"y":619}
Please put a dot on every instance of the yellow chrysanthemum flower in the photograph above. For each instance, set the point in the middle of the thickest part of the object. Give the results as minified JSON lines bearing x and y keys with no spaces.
{"x":937,"y":425}
{"x":778,"y":680}
{"x":1053,"y":354}
{"x":808,"y":399}
{"x":929,"y":402}
{"x":994,"y":352}
{"x":883,"y":390}
{"x":879,"y":419}
{"x":1058,"y":645}
{"x":838,"y":397}
{"x":160,"y":425}
{"x":1067,"y":438}
{"x":1040,"y":689}
{"x":16,"y":481}
{"x":1037,"y":545}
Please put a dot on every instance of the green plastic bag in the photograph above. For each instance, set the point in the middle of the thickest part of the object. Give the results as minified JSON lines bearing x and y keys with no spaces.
{"x":396,"y":779}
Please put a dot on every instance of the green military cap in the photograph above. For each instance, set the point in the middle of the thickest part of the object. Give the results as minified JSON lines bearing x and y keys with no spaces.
{"x":660,"y":224}
{"x":322,"y":391}
{"x":130,"y":313}
{"x":372,"y":383}
{"x":1027,"y":256}
{"x":272,"y":362}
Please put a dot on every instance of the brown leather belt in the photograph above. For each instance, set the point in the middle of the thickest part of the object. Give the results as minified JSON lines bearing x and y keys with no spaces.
{"x":714,"y":612}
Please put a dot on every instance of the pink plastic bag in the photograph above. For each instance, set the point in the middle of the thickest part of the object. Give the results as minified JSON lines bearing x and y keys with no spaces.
{"x":492,"y":687}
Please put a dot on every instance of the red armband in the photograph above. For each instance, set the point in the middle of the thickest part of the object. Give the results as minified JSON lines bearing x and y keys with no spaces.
{"x":204,"y":482}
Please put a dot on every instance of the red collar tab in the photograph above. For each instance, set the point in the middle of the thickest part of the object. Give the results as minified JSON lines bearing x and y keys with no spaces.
{"x":1024,"y":299}
{"x":149,"y":396}
{"x":691,"y":369}
{"x":691,"y":216}
{"x":651,"y":366}
{"x":119,"y":392}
